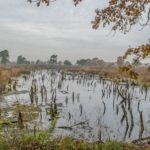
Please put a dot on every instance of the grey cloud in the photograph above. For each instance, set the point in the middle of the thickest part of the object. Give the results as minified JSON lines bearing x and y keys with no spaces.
{"x":62,"y":29}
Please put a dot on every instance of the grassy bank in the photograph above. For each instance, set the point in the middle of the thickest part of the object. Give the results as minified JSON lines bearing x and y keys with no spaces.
{"x":40,"y":142}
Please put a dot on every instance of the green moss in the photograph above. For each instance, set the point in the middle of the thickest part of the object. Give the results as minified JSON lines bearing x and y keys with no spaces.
{"x":29,"y":113}
{"x":7,"y":122}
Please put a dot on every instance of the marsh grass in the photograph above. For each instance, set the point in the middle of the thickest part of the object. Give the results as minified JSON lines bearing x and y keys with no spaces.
{"x":20,"y":113}
{"x":42,"y":142}
{"x":106,"y":71}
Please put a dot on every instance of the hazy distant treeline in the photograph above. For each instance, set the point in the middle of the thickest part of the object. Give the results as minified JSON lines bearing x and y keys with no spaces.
{"x":53,"y":59}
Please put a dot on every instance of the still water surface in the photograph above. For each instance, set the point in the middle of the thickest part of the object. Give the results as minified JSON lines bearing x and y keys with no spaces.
{"x":91,"y":108}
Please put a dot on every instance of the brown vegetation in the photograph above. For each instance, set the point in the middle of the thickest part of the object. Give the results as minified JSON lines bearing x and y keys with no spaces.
{"x":107,"y":70}
{"x":112,"y":72}
{"x":7,"y":72}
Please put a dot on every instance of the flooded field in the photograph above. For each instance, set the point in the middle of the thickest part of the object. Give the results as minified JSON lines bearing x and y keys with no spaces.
{"x":82,"y":105}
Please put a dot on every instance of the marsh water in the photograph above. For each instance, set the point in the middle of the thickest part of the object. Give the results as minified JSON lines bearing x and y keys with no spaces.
{"x":86,"y":105}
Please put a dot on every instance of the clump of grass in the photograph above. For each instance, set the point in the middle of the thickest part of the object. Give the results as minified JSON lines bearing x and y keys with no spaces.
{"x":28,"y":112}
{"x":40,"y":142}
{"x":6,"y":122}
{"x":7,"y":73}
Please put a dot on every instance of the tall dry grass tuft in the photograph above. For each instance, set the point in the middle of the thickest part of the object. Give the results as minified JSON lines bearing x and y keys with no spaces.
{"x":144,"y":74}
{"x":6,"y":73}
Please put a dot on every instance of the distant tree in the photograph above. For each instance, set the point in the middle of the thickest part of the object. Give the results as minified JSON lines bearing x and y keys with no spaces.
{"x":60,"y":62}
{"x":27,"y":62}
{"x":38,"y":62}
{"x":83,"y":62}
{"x":22,"y":60}
{"x":96,"y":62}
{"x":4,"y":57}
{"x":53,"y":59}
{"x":90,"y":62}
{"x":31,"y":62}
{"x":67,"y":63}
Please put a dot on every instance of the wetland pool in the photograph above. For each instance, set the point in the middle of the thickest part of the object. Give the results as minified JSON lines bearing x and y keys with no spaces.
{"x":86,"y":105}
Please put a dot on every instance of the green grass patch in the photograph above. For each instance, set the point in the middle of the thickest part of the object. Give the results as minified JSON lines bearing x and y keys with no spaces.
{"x":40,"y":142}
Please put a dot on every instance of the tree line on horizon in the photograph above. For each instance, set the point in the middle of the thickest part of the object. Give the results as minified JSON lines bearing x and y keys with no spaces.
{"x":5,"y":59}
{"x":21,"y":60}
{"x":53,"y":60}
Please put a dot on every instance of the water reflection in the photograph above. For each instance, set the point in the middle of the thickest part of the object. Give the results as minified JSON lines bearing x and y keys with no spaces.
{"x":80,"y":100}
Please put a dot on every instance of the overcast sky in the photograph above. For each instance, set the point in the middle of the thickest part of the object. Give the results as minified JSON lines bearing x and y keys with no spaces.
{"x":62,"y":29}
